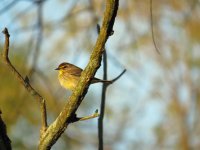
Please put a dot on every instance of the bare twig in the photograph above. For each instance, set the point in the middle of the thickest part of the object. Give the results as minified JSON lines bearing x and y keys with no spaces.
{"x":103,"y":95}
{"x":95,"y":115}
{"x":103,"y":101}
{"x":115,"y":79}
{"x":152,"y":30}
{"x":24,"y":81}
{"x":75,"y":118}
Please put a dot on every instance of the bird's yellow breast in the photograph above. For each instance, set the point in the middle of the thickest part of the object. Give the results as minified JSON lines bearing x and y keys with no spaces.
{"x":68,"y":81}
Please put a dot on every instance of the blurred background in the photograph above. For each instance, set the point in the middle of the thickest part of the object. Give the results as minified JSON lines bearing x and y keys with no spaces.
{"x":155,"y":105}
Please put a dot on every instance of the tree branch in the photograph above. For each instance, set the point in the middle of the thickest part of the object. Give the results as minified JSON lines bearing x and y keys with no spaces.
{"x":75,"y":118}
{"x":5,"y":143}
{"x":103,"y":101}
{"x":103,"y":94}
{"x":24,"y":81}
{"x":152,"y":30}
{"x":60,"y":124}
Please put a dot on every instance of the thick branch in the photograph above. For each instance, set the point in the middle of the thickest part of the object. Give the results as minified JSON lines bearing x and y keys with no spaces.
{"x":24,"y":82}
{"x":59,"y":125}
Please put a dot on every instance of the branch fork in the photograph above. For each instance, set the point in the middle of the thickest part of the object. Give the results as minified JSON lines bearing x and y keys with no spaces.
{"x":24,"y":82}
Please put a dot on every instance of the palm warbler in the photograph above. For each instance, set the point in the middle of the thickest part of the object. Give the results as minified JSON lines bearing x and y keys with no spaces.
{"x":69,"y":75}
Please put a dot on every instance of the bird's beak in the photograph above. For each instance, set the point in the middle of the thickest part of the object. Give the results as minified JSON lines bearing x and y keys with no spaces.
{"x":57,"y":69}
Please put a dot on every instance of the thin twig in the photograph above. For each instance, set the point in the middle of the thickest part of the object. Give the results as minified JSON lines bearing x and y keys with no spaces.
{"x":75,"y":118}
{"x":24,"y":81}
{"x":103,"y":95}
{"x":103,"y":101}
{"x":95,"y":115}
{"x":115,"y":79}
{"x":152,"y":30}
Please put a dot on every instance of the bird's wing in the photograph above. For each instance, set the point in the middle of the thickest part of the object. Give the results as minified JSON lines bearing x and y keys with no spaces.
{"x":76,"y":71}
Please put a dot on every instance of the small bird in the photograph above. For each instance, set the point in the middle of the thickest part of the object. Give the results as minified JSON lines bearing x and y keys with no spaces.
{"x":69,"y":74}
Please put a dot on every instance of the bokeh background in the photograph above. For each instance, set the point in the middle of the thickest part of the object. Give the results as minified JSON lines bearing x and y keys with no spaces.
{"x":155,"y":105}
